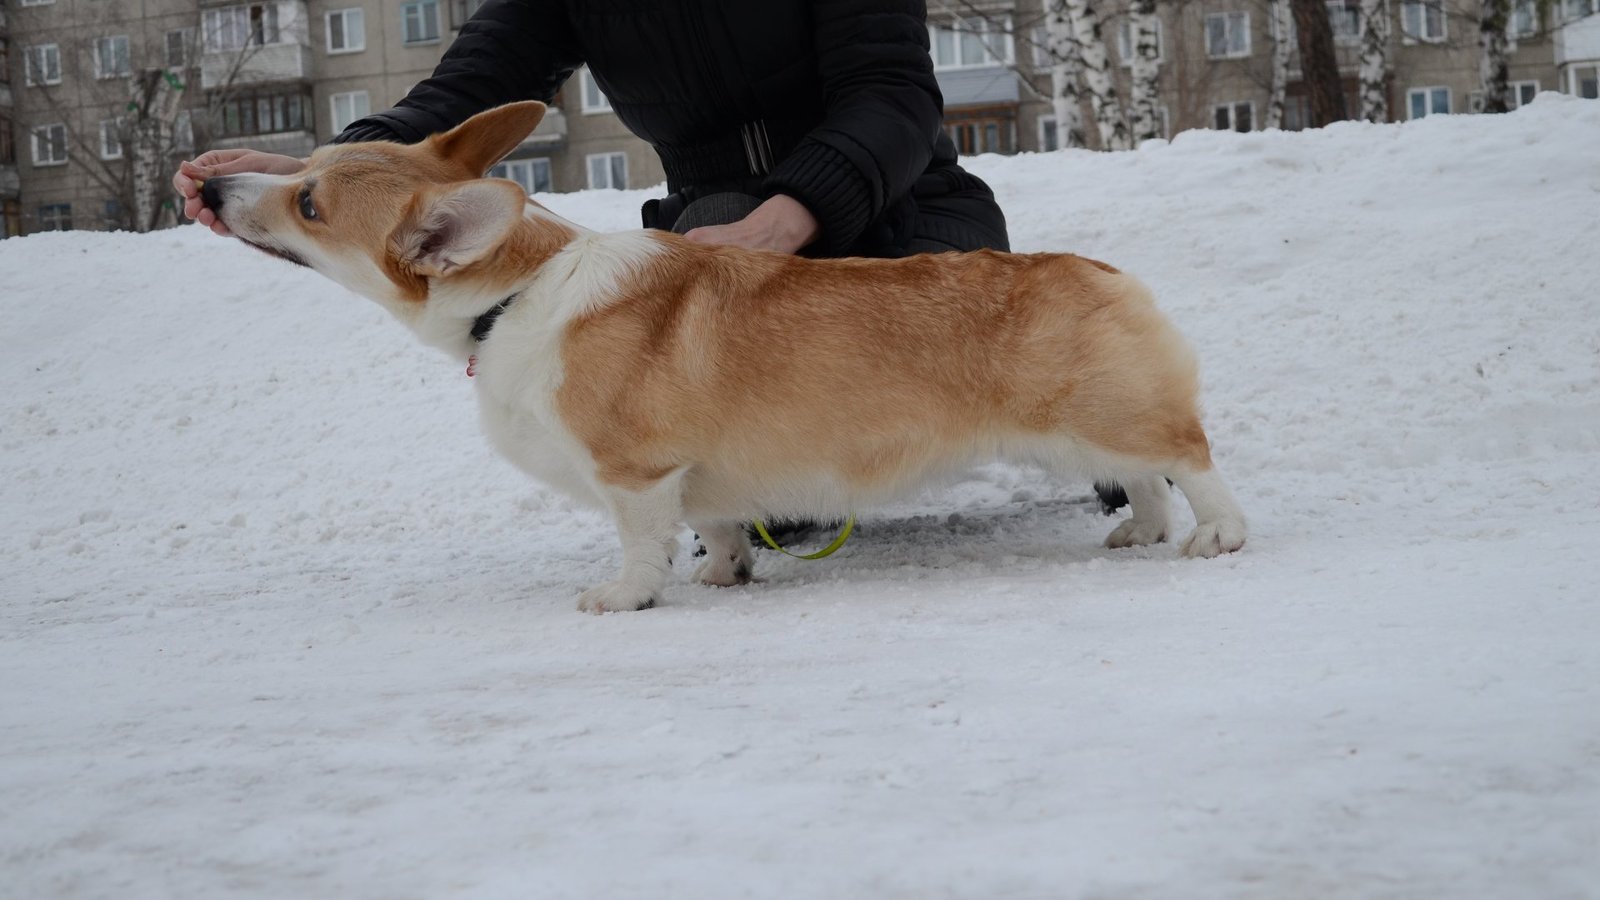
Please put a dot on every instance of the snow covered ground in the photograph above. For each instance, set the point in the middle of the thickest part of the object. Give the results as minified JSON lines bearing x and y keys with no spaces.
{"x":276,"y":623}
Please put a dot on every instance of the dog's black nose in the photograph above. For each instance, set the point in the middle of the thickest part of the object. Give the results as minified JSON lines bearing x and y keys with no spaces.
{"x":210,"y":195}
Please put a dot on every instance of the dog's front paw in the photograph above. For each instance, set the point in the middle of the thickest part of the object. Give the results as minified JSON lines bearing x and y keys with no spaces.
{"x":616,"y":596}
{"x":1134,"y":533}
{"x":1214,"y":539}
{"x":725,"y":569}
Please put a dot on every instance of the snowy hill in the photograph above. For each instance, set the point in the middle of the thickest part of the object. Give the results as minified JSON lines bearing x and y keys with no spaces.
{"x":275,"y":622}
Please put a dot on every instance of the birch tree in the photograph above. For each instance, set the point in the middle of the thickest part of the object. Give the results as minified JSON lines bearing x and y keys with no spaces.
{"x":1066,"y":96}
{"x":1281,"y":35}
{"x":1144,"y":86}
{"x":1084,"y":21}
{"x":1374,"y":61}
{"x":1494,"y":55}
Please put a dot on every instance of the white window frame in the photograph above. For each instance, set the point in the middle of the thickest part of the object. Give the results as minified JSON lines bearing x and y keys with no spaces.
{"x":1428,"y":93}
{"x":358,"y":105}
{"x":1516,"y":92}
{"x":974,"y":42}
{"x":526,"y":172}
{"x":61,"y":215}
{"x":352,"y":24}
{"x":104,"y":46}
{"x":230,"y":28}
{"x":591,"y":99}
{"x":1518,"y":8}
{"x":110,"y":139}
{"x":1046,"y":125}
{"x":1125,"y":43}
{"x":37,"y":2}
{"x":1350,"y":11}
{"x":1233,"y":118}
{"x":610,"y":170}
{"x":41,"y":141}
{"x":1418,"y":10}
{"x":420,"y":8}
{"x":185,"y":57}
{"x":1573,"y":84}
{"x":1234,"y":24}
{"x":34,"y":58}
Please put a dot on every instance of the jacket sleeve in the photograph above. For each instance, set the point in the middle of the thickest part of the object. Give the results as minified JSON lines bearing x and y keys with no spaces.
{"x":509,"y":50}
{"x":884,"y":111}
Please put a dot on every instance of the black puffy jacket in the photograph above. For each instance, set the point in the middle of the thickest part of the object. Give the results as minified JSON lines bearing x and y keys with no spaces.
{"x":833,"y":102}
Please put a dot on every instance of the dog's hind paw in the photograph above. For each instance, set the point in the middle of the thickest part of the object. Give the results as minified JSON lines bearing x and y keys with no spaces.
{"x":725,"y":570}
{"x":1214,"y":539}
{"x":1134,"y":533}
{"x":616,"y":596}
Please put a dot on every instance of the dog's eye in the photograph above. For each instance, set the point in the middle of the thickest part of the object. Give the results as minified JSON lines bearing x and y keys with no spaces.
{"x":306,"y":209}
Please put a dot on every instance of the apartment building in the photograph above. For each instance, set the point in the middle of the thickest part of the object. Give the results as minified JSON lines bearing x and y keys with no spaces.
{"x":287,"y":75}
{"x":1216,"y":63}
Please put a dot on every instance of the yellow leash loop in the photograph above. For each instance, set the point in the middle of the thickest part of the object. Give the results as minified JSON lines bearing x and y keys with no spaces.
{"x":838,"y":542}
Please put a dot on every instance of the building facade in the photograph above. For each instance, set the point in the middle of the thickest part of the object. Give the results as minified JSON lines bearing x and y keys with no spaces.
{"x":90,"y":89}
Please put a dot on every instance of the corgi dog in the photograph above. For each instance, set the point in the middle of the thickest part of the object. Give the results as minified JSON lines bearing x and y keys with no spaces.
{"x":675,"y":383}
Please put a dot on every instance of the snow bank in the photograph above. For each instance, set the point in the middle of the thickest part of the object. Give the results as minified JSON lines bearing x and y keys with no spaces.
{"x":276,"y":623}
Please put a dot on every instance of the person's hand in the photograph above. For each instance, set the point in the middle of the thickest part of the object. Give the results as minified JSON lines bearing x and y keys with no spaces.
{"x":781,"y":223}
{"x":213,"y":163}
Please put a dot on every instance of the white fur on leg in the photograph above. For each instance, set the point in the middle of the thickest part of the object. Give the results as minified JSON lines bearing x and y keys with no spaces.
{"x":647,"y":522}
{"x":1219,"y":523}
{"x":1152,"y":514}
{"x":729,"y":559}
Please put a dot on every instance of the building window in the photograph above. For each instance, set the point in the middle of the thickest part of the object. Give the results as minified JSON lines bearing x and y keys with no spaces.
{"x":10,"y":218}
{"x":55,"y":217}
{"x":421,"y":21}
{"x":5,"y":60}
{"x":973,"y":42}
{"x":1423,"y":20}
{"x":1049,"y":137}
{"x":1524,"y":19}
{"x":37,"y":2}
{"x":1576,"y":9}
{"x":263,"y":114}
{"x":111,"y":212}
{"x":1523,"y":92}
{"x":8,"y":151}
{"x":592,"y":99}
{"x":42,"y":64}
{"x":111,"y":57}
{"x":608,"y":170}
{"x":1427,"y":101}
{"x":532,"y":174}
{"x":347,"y":30}
{"x":50,"y":145}
{"x":1345,"y":17}
{"x":1125,"y":43}
{"x":1228,"y":35}
{"x":111,"y":139}
{"x":462,"y":10}
{"x":179,"y":48}
{"x":1234,"y":117}
{"x":349,"y":107}
{"x":237,"y":27}
{"x":1585,"y":81}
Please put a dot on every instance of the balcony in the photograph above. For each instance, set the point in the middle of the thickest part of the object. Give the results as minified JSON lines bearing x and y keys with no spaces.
{"x":551,"y":133}
{"x":290,"y":61}
{"x":1578,"y":41}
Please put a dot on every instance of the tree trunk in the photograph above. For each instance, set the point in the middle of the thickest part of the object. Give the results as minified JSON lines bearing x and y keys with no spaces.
{"x":1494,"y":62}
{"x":1374,"y":61}
{"x":1279,"y":10}
{"x":1065,"y":93}
{"x":1144,"y":85}
{"x":1319,"y":67}
{"x":154,"y":105}
{"x":1108,"y":118}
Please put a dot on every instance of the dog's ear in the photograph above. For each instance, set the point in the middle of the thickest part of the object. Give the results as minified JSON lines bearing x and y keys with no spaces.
{"x":487,"y":137}
{"x":458,"y":225}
